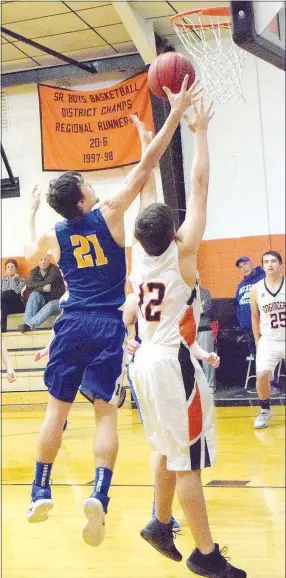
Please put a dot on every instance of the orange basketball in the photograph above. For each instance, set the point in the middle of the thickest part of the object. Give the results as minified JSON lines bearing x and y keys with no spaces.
{"x":169,"y":69}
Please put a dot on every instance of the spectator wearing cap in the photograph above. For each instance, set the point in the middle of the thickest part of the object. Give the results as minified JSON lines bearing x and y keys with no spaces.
{"x":251,"y":275}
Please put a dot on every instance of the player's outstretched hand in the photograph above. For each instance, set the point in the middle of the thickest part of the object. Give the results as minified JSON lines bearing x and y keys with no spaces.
{"x":41,"y":353}
{"x":182,"y":100}
{"x":213,"y":359}
{"x":201,"y":117}
{"x":35,"y":198}
{"x":11,"y":374}
{"x":144,"y":134}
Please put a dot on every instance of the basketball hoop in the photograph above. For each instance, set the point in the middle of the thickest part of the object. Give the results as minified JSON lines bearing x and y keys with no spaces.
{"x":206,"y":34}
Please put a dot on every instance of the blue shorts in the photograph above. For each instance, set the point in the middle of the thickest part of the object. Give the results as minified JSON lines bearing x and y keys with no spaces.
{"x":87,"y":350}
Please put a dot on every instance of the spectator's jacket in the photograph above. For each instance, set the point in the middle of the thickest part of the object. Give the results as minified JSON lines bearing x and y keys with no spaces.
{"x":242,"y":298}
{"x":12,"y":284}
{"x":52,"y":277}
{"x":206,"y":315}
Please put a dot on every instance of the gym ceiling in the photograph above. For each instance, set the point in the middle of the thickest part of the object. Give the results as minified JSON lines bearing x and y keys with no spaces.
{"x":84,"y":31}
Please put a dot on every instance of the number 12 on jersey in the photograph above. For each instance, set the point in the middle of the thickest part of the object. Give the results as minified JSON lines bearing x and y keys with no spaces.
{"x":157,"y":291}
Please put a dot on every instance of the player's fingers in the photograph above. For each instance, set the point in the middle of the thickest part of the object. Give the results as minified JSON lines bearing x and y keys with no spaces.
{"x":136,"y":120}
{"x":197,"y":94}
{"x":194,"y":85}
{"x":195,"y":108}
{"x":210,"y":107}
{"x":184,"y":83}
{"x":167,"y":91}
{"x":187,"y":119}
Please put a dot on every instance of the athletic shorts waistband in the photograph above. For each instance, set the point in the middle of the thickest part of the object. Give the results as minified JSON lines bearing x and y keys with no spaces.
{"x":111,"y":314}
{"x":157,"y":349}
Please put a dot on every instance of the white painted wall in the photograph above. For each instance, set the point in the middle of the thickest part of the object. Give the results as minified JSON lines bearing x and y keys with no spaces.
{"x":247,"y":149}
{"x":247,"y":153}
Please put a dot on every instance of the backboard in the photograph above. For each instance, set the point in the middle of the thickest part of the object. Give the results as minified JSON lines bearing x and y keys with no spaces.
{"x":259,"y":28}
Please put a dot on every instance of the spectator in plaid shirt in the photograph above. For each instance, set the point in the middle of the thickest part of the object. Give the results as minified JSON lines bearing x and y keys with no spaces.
{"x":11,"y":298}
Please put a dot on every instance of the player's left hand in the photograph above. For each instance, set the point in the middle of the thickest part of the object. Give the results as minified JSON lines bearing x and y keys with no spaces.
{"x":201,"y":117}
{"x":180,"y":101}
{"x":11,"y":374}
{"x":41,"y":353}
{"x":132,"y":346}
{"x":213,"y":359}
{"x":145,"y":135}
{"x":35,"y":198}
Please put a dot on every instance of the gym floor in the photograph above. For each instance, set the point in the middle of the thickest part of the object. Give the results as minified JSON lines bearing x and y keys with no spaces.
{"x":245,"y":496}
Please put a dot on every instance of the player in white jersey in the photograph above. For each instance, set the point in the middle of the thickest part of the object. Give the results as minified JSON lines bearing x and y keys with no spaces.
{"x":268,"y":313}
{"x":174,"y":397}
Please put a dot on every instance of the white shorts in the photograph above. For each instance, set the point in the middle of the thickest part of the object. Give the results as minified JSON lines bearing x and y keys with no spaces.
{"x":269,"y":353}
{"x":176,"y":405}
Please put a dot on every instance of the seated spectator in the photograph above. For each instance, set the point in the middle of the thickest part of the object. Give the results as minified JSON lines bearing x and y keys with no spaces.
{"x":11,"y":300}
{"x":47,"y":286}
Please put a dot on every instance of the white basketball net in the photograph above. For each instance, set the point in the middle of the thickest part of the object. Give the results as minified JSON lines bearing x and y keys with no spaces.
{"x":220,"y":60}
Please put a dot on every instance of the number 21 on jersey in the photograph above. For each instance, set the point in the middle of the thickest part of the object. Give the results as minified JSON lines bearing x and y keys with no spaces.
{"x":157,"y":293}
{"x":83,"y":254}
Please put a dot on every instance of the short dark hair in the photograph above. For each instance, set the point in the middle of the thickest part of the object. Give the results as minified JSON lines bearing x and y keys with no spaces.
{"x":154,"y":229}
{"x":13,"y":261}
{"x":65,"y":193}
{"x":274,"y":254}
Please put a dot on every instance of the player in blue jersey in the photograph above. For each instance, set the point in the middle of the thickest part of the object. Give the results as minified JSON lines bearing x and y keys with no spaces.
{"x":87,"y":349}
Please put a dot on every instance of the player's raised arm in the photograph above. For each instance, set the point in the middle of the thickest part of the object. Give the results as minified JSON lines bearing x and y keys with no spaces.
{"x":255,"y":317}
{"x":191,"y":232}
{"x":35,"y":249}
{"x":136,"y":179}
{"x":148,"y":193}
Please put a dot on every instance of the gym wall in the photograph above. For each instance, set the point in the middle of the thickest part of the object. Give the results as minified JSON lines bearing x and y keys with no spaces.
{"x":246,"y":195}
{"x":246,"y":208}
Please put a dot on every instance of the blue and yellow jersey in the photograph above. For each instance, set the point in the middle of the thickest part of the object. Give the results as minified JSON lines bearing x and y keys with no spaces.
{"x":92,"y":264}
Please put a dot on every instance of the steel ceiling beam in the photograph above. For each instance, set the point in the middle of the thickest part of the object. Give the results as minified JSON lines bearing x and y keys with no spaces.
{"x":82,"y":65}
{"x":127,"y":62}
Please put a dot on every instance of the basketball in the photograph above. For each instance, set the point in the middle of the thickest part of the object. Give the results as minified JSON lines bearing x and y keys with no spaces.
{"x":169,"y":69}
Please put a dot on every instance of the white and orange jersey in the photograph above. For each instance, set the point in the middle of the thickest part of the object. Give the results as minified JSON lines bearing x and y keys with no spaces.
{"x":272,"y":310}
{"x":169,"y":310}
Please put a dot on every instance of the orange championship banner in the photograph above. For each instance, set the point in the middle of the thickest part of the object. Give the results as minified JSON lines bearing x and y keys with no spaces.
{"x":92,"y":130}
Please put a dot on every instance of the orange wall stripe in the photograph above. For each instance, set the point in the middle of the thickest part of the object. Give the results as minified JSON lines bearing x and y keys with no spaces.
{"x":216,"y":261}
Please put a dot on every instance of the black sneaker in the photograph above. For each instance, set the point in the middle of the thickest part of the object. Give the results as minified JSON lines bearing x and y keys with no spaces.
{"x":213,"y":565}
{"x":161,"y":537}
{"x":24,"y":327}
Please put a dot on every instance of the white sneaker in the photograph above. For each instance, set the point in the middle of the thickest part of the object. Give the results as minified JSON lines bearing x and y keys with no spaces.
{"x":263,"y":419}
{"x":38,"y":511}
{"x":94,"y":529}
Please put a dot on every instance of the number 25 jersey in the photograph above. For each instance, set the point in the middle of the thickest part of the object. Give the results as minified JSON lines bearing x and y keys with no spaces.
{"x":92,"y":264}
{"x":272,"y":310}
{"x":169,"y":310}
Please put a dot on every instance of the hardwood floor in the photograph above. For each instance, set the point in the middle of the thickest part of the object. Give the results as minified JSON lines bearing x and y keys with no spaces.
{"x":248,"y":518}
